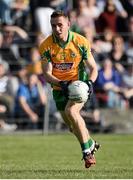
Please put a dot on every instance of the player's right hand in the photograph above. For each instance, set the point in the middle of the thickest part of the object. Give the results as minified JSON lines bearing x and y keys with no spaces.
{"x":64,"y":87}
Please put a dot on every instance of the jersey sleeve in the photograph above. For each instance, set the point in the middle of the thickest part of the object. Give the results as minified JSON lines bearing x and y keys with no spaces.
{"x":84,"y":47}
{"x":45,"y":52}
{"x":86,"y":50}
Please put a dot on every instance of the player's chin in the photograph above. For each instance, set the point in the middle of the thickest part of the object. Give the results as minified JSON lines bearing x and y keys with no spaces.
{"x":59,"y":36}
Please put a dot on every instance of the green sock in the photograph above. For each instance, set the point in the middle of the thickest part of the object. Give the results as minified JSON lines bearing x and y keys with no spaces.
{"x":84,"y":146}
{"x":90,"y":142}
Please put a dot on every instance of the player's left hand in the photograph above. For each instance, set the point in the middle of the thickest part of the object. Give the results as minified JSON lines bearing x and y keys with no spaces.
{"x":90,"y":84}
{"x":64,"y":86}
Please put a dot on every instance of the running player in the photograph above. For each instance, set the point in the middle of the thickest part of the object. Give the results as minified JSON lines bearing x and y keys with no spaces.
{"x":65,"y":56}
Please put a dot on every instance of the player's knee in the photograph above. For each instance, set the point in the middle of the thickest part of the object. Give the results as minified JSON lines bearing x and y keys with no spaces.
{"x":68,"y":111}
{"x":71,"y":111}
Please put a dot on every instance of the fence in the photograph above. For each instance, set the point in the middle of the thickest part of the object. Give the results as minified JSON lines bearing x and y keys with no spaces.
{"x":24,"y":49}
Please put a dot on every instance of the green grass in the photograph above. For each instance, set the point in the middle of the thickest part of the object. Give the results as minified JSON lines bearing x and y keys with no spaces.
{"x":59,"y":157}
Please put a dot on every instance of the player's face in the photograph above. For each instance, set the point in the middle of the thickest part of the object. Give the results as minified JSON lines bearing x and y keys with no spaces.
{"x":60,"y":27}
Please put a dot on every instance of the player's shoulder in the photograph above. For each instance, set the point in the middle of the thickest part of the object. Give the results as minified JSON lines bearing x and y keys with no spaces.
{"x":79,"y":38}
{"x":45,"y":43}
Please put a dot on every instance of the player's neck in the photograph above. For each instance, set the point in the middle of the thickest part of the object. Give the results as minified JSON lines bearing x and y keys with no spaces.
{"x":64,"y":39}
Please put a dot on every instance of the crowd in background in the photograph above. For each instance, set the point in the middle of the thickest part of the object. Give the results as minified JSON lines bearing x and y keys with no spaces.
{"x":107,"y":24}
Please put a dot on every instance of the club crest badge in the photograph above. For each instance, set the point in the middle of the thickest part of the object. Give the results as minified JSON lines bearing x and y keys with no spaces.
{"x":73,"y":55}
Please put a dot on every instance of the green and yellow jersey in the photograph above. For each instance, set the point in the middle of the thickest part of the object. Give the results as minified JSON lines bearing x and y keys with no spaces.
{"x":68,"y":59}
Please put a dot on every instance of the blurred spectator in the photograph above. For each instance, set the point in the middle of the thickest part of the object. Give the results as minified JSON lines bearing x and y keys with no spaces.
{"x":5,"y":127}
{"x":118,"y":55}
{"x":94,"y":118}
{"x":87,"y":13}
{"x":20,"y":4}
{"x":34,"y":65}
{"x":108,"y":85}
{"x":83,"y":18}
{"x":8,"y":2}
{"x":90,"y":35}
{"x":103,"y":44}
{"x":92,"y":115}
{"x":55,"y":119}
{"x":129,"y":39}
{"x":30,"y":102}
{"x":1,"y":39}
{"x":128,"y":6}
{"x":35,"y":55}
{"x":93,"y":10}
{"x":119,"y":7}
{"x":6,"y":97}
{"x":73,"y":22}
{"x":42,"y":17}
{"x":60,"y":5}
{"x":22,"y":72}
{"x":17,"y":34}
{"x":108,"y":18}
{"x":5,"y":13}
{"x":18,"y":77}
{"x":40,"y":14}
{"x":127,"y":78}
{"x":9,"y":50}
{"x":20,"y":14}
{"x":34,"y":4}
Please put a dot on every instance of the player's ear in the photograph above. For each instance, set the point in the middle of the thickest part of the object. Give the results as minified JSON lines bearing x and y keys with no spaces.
{"x":68,"y":23}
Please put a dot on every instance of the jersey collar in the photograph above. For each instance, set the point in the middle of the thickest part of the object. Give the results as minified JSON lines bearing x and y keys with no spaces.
{"x":70,"y":38}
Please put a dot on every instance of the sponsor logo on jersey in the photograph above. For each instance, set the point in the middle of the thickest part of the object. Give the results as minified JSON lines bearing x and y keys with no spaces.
{"x":62,"y":66}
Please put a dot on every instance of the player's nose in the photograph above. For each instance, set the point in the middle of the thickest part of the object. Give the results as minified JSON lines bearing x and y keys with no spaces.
{"x":57,"y":29}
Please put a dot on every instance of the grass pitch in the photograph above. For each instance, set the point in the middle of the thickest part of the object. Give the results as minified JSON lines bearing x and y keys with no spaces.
{"x":59,"y":157}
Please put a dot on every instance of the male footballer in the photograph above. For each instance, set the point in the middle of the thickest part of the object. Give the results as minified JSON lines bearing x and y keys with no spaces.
{"x":65,"y":56}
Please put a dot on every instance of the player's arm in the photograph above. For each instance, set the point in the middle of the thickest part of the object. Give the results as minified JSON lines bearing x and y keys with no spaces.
{"x":93,"y":73}
{"x":91,"y":64}
{"x":47,"y":71}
